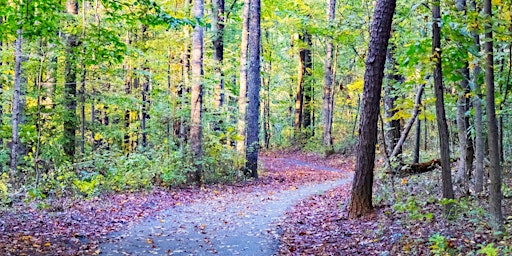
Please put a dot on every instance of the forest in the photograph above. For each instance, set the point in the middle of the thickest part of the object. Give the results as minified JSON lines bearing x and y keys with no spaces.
{"x":255,"y":127}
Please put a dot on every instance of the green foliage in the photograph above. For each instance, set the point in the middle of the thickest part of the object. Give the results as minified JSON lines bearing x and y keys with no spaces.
{"x":439,"y":245}
{"x":488,"y":250}
{"x":413,"y":209}
{"x":4,"y":191}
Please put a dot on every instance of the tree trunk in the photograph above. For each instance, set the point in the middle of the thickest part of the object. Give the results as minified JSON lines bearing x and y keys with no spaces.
{"x":253,"y":89}
{"x":477,"y":104}
{"x":1,"y":84}
{"x":393,"y":127}
{"x":416,"y":157}
{"x":440,"y":111}
{"x":328,"y":82}
{"x":16,"y":109}
{"x":196,"y":109}
{"x":145,"y":107}
{"x":127,"y":90}
{"x":361,"y":195}
{"x":185,"y":64}
{"x":303,"y":97}
{"x":495,"y":195}
{"x":70,"y":118}
{"x":242,"y":98}
{"x":218,"y":45}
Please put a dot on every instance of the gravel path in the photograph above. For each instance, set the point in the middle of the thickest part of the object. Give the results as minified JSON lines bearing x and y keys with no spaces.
{"x":230,"y":224}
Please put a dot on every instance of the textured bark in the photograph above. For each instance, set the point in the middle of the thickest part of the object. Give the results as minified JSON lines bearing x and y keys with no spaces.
{"x":196,"y":132}
{"x":442,"y":126}
{"x":70,"y":118}
{"x":361,"y":195}
{"x":328,"y":98}
{"x":253,"y":89}
{"x":1,"y":84}
{"x":16,"y":109}
{"x":477,"y":104}
{"x":242,"y":98}
{"x":495,"y":194}
{"x":218,"y":45}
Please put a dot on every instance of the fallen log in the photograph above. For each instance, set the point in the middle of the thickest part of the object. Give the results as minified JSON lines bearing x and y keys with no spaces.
{"x":405,"y":170}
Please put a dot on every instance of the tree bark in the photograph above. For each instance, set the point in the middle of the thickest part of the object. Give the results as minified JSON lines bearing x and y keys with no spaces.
{"x":303,"y":97}
{"x":16,"y":109}
{"x":218,"y":45}
{"x":253,"y":89}
{"x":127,"y":90}
{"x":495,"y":194}
{"x":242,"y":98}
{"x":328,"y":98}
{"x":477,"y":105}
{"x":361,"y":195}
{"x":70,"y":118}
{"x":440,"y":111}
{"x":196,"y":132}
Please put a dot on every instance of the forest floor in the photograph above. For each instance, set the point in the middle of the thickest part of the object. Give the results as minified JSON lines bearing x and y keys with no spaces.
{"x":297,"y":207}
{"x":215,"y":219}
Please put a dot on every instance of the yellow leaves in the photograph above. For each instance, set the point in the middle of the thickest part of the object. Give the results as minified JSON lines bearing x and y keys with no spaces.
{"x":497,"y":2}
{"x":356,"y":86}
{"x":98,"y":136}
{"x":178,"y":203}
{"x":404,"y":181}
{"x":48,"y":244}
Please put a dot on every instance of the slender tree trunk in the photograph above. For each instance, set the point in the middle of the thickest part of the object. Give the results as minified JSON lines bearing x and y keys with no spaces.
{"x":127,"y":91}
{"x":185,"y":64}
{"x":361,"y":195}
{"x":393,"y":127}
{"x":328,"y":82}
{"x":307,"y":73}
{"x":417,"y":142}
{"x":1,"y":84}
{"x":253,"y":89}
{"x":196,"y":109}
{"x":218,"y":45}
{"x":477,"y":105}
{"x":440,"y":111}
{"x":495,"y":195}
{"x":242,"y":98}
{"x":16,"y":109}
{"x":70,"y":118}
{"x":145,"y":107}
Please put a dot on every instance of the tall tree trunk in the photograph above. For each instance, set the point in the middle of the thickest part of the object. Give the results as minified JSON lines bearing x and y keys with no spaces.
{"x":465,"y":143}
{"x":218,"y":45}
{"x":266,"y":84}
{"x":253,"y":89}
{"x":417,"y":142}
{"x":196,"y":109}
{"x":185,"y":65}
{"x":70,"y":118}
{"x":477,"y":104}
{"x":145,"y":107}
{"x":361,"y":195}
{"x":303,"y":97}
{"x":328,"y":82}
{"x":1,"y":84}
{"x":495,"y":195}
{"x":393,"y":127}
{"x":127,"y":91}
{"x":306,"y":80}
{"x":16,"y":109}
{"x":440,"y":111}
{"x":242,"y":98}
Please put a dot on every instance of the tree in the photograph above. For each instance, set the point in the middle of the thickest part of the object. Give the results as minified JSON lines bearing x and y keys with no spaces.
{"x":328,"y":98}
{"x":495,"y":194}
{"x":218,"y":20}
{"x":196,"y":110}
{"x":477,"y":105}
{"x":70,"y":118}
{"x":242,"y":98}
{"x":303,"y":99}
{"x":361,"y":195}
{"x":16,"y":113}
{"x":440,"y":110}
{"x":253,"y":88}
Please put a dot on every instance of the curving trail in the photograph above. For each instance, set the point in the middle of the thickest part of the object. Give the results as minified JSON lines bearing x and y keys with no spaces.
{"x":244,"y":223}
